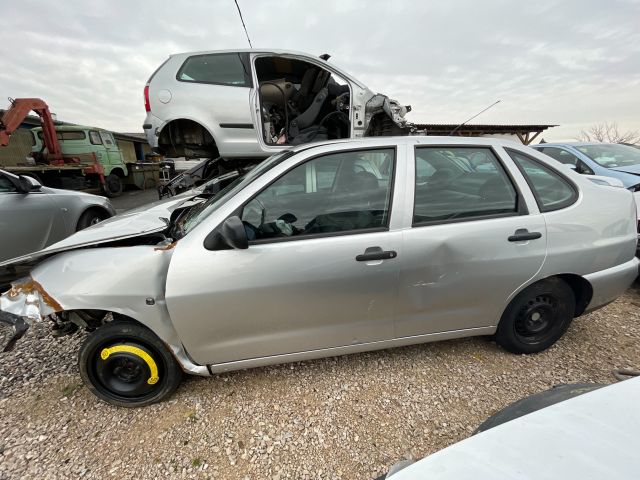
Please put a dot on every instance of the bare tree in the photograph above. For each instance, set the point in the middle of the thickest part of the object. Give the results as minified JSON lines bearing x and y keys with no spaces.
{"x":608,"y":132}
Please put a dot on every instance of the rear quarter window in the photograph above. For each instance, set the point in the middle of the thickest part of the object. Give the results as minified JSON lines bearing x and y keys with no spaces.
{"x":551,"y":190}
{"x":231,"y":69}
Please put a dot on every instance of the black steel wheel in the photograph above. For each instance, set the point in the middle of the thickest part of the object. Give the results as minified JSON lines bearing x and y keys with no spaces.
{"x":125,"y":364}
{"x":537,"y":317}
{"x":113,"y":185}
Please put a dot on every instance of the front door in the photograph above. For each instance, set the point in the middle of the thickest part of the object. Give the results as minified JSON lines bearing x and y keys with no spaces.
{"x":320,"y":272}
{"x":467,"y":248}
{"x":28,"y":221}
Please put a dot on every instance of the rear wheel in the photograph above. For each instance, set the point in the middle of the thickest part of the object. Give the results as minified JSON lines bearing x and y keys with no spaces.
{"x":125,"y":364}
{"x":113,"y":185}
{"x":537,"y":317}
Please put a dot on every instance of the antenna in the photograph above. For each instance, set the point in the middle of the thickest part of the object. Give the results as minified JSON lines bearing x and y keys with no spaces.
{"x":243,"y":25}
{"x":469,"y":119}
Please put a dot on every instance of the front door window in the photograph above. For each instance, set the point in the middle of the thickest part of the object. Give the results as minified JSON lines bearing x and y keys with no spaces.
{"x":340,"y":192}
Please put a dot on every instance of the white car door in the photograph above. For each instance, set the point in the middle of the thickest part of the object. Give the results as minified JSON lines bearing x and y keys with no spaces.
{"x":219,"y":86}
{"x":476,"y":236}
{"x":320,"y":271}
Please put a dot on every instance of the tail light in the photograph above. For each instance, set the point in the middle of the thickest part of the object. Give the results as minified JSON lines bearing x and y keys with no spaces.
{"x":147,"y":106}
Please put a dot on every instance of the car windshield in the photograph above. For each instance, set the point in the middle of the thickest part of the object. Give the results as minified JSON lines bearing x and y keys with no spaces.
{"x":611,"y":155}
{"x":203,"y":210}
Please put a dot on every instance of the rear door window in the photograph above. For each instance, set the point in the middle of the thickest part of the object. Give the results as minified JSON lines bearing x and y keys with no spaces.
{"x":551,"y":190}
{"x":460,"y":183}
{"x":219,"y":69}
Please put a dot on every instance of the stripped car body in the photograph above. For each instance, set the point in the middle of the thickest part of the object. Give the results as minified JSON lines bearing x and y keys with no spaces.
{"x":176,"y":268}
{"x":249,"y":104}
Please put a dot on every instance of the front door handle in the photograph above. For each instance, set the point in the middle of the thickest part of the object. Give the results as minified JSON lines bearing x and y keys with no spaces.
{"x":376,"y":253}
{"x":522,"y":234}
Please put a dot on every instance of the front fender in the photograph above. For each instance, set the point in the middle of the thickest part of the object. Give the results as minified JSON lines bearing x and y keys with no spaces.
{"x":126,"y":280}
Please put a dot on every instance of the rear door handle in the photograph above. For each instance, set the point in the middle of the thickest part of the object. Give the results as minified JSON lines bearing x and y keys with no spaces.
{"x":376,"y":253}
{"x":522,"y":234}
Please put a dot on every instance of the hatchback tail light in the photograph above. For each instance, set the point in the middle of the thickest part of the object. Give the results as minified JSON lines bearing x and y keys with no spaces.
{"x":147,"y":106}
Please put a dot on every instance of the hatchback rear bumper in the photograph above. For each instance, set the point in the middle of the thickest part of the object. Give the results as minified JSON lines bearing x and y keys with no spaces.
{"x":611,"y":283}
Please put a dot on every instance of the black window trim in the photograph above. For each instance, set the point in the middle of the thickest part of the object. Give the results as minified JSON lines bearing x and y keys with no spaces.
{"x":567,"y":203}
{"x":521,"y":204}
{"x":392,"y":184}
{"x":244,"y":60}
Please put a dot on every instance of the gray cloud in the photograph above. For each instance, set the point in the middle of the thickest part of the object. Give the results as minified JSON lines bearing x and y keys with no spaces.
{"x":572,"y":62}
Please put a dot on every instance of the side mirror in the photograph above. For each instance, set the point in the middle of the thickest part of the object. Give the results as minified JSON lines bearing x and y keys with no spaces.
{"x":231,"y":234}
{"x":28,"y":184}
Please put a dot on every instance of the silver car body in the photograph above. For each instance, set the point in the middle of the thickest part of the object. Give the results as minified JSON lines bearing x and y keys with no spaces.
{"x":286,"y":301}
{"x":231,"y":114}
{"x":30,"y":221}
{"x":594,"y":435}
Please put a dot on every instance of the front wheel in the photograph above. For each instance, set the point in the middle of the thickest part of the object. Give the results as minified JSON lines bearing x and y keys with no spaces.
{"x":89,"y":218}
{"x":537,"y":317}
{"x":125,"y":364}
{"x":113,"y":186}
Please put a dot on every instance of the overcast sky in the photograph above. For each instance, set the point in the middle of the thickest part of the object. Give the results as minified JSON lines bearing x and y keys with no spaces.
{"x":569,"y":62}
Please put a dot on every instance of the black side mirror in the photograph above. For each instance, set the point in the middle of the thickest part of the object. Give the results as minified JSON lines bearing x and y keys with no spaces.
{"x":28,"y":184}
{"x":231,"y":234}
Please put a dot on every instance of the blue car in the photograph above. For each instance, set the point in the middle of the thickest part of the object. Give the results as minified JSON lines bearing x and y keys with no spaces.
{"x":606,"y":159}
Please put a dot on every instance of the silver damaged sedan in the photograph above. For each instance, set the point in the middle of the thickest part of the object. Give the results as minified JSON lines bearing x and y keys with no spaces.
{"x":330,"y":249}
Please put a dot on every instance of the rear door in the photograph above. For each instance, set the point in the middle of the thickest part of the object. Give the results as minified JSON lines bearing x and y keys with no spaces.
{"x":476,"y":236}
{"x":321,"y":270}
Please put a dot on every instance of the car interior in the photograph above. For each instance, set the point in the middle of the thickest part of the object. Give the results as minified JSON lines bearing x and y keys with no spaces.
{"x":301,"y":102}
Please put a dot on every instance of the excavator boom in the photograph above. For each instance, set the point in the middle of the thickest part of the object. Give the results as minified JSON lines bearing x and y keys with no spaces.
{"x":20,"y":108}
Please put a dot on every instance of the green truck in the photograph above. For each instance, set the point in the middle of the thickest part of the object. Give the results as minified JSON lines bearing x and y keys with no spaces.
{"x":85,"y":143}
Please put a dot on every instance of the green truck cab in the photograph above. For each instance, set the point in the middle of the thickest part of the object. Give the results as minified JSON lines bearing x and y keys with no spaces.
{"x":85,"y":142}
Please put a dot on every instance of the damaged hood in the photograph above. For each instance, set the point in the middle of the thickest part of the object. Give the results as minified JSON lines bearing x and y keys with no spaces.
{"x":148,"y":219}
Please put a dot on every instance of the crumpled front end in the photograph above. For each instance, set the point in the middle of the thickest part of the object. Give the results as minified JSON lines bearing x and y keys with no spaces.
{"x":386,"y":117}
{"x":25,"y":302}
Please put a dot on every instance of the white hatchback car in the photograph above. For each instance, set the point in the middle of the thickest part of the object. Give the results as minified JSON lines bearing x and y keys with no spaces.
{"x":249,"y":104}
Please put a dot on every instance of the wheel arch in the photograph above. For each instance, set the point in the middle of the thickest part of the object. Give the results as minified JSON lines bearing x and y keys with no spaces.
{"x":186,"y":120}
{"x":580,"y":286}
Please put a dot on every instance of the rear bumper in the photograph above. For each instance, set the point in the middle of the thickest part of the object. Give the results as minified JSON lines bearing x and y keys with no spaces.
{"x":611,"y":283}
{"x":151,"y":127}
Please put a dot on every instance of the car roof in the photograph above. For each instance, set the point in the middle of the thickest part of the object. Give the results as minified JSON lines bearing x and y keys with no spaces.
{"x":246,"y":50}
{"x":412,"y":140}
{"x":66,"y":128}
{"x":570,"y":144}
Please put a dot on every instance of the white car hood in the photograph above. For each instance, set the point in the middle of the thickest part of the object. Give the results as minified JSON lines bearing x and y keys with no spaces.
{"x":133,"y":223}
{"x":594,"y":435}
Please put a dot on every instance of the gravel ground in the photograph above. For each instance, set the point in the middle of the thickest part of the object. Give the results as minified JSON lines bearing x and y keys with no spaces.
{"x":339,"y":418}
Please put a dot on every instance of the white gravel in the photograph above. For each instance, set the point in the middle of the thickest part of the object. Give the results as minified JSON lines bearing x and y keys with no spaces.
{"x":338,"y":418}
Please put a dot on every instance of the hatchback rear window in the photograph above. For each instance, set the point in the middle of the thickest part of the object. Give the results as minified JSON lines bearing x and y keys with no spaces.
{"x":219,"y":69}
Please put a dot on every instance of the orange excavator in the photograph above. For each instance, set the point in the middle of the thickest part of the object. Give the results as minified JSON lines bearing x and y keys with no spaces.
{"x":12,"y":118}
